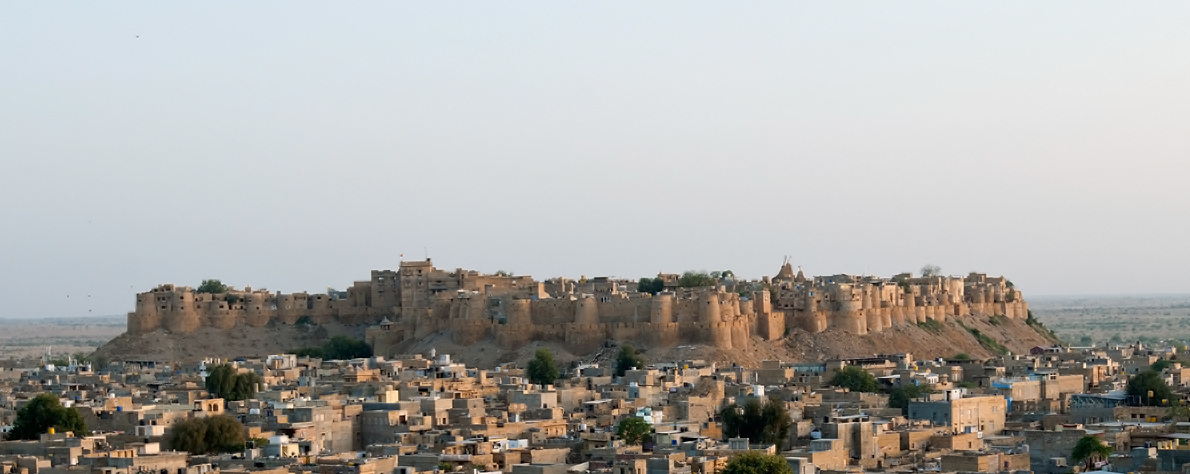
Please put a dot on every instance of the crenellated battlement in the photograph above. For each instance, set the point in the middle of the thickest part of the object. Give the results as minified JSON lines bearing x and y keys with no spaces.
{"x":418,"y":300}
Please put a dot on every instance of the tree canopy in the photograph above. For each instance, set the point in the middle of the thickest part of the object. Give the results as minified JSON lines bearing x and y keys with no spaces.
{"x":43,"y":412}
{"x":634,"y":430}
{"x":761,"y":422}
{"x":337,"y":348}
{"x":343,"y":348}
{"x":542,"y":370}
{"x":627,"y":359}
{"x":207,"y":435}
{"x":931,"y":270}
{"x":693,"y":279}
{"x":899,"y":397}
{"x":224,"y":382}
{"x":650,"y":285}
{"x":1161,"y":364}
{"x":756,"y":462}
{"x":855,"y":379}
{"x":1088,"y":450}
{"x":1150,"y":388}
{"x":211,"y":286}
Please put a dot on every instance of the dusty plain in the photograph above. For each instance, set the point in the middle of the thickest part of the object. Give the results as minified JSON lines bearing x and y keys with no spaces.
{"x":1106,"y":319}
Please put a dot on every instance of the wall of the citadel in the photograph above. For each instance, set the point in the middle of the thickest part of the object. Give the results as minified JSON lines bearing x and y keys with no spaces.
{"x":873,"y":305}
{"x":182,"y":310}
{"x":420,"y":300}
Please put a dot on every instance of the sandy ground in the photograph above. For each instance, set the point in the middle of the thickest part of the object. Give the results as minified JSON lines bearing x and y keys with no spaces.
{"x":20,"y":338}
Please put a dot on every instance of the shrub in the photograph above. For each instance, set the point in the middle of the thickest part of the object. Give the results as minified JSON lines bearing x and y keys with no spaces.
{"x":931,"y":325}
{"x":987,"y":341}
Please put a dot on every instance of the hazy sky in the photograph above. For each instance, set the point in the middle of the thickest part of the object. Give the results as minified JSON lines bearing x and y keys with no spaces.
{"x":296,"y":146}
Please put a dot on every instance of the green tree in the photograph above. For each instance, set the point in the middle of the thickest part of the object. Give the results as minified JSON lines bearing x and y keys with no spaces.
{"x":212,"y":286}
{"x":207,"y":435}
{"x":961,"y":356}
{"x":931,"y":270}
{"x":43,"y":412}
{"x":855,"y":379}
{"x":343,"y":348}
{"x":1178,"y":413}
{"x":627,"y":359}
{"x":634,"y":430}
{"x":542,"y":370}
{"x":692,"y":279}
{"x":1161,"y":364}
{"x":761,"y":422}
{"x":899,"y":397}
{"x":313,"y":351}
{"x":650,"y":285}
{"x":1150,"y":388}
{"x":1088,"y":450}
{"x":1086,"y":341}
{"x":756,"y":462}
{"x":225,"y":382}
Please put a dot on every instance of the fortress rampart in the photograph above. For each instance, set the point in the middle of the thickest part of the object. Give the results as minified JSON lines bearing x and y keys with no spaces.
{"x":419,"y":300}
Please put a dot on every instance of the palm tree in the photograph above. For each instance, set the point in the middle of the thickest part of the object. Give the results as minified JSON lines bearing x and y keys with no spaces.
{"x":1088,"y":450}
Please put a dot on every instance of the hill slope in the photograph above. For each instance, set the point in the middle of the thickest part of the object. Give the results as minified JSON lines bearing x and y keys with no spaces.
{"x":923,"y":341}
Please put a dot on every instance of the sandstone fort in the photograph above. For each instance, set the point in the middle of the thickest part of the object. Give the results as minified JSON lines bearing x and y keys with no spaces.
{"x":418,"y":300}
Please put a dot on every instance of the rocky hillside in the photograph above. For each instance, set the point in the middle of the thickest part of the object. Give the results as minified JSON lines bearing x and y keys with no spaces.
{"x":242,"y":341}
{"x":978,"y":336}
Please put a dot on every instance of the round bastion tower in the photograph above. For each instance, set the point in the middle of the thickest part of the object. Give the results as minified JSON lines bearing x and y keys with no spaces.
{"x":146,"y":318}
{"x":182,"y":316}
{"x":847,"y":310}
{"x":709,"y":314}
{"x":220,"y":314}
{"x":256,"y":314}
{"x":587,"y":310}
{"x":519,"y":312}
{"x":662,"y":309}
{"x":287,"y":308}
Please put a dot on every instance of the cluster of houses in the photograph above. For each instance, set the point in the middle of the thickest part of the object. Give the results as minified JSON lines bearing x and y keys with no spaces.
{"x":425,"y":413}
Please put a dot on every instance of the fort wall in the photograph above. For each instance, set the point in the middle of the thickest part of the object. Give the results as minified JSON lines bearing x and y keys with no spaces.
{"x":418,"y":300}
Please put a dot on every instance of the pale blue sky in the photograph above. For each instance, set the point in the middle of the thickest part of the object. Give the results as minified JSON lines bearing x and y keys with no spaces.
{"x":297,"y":146}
